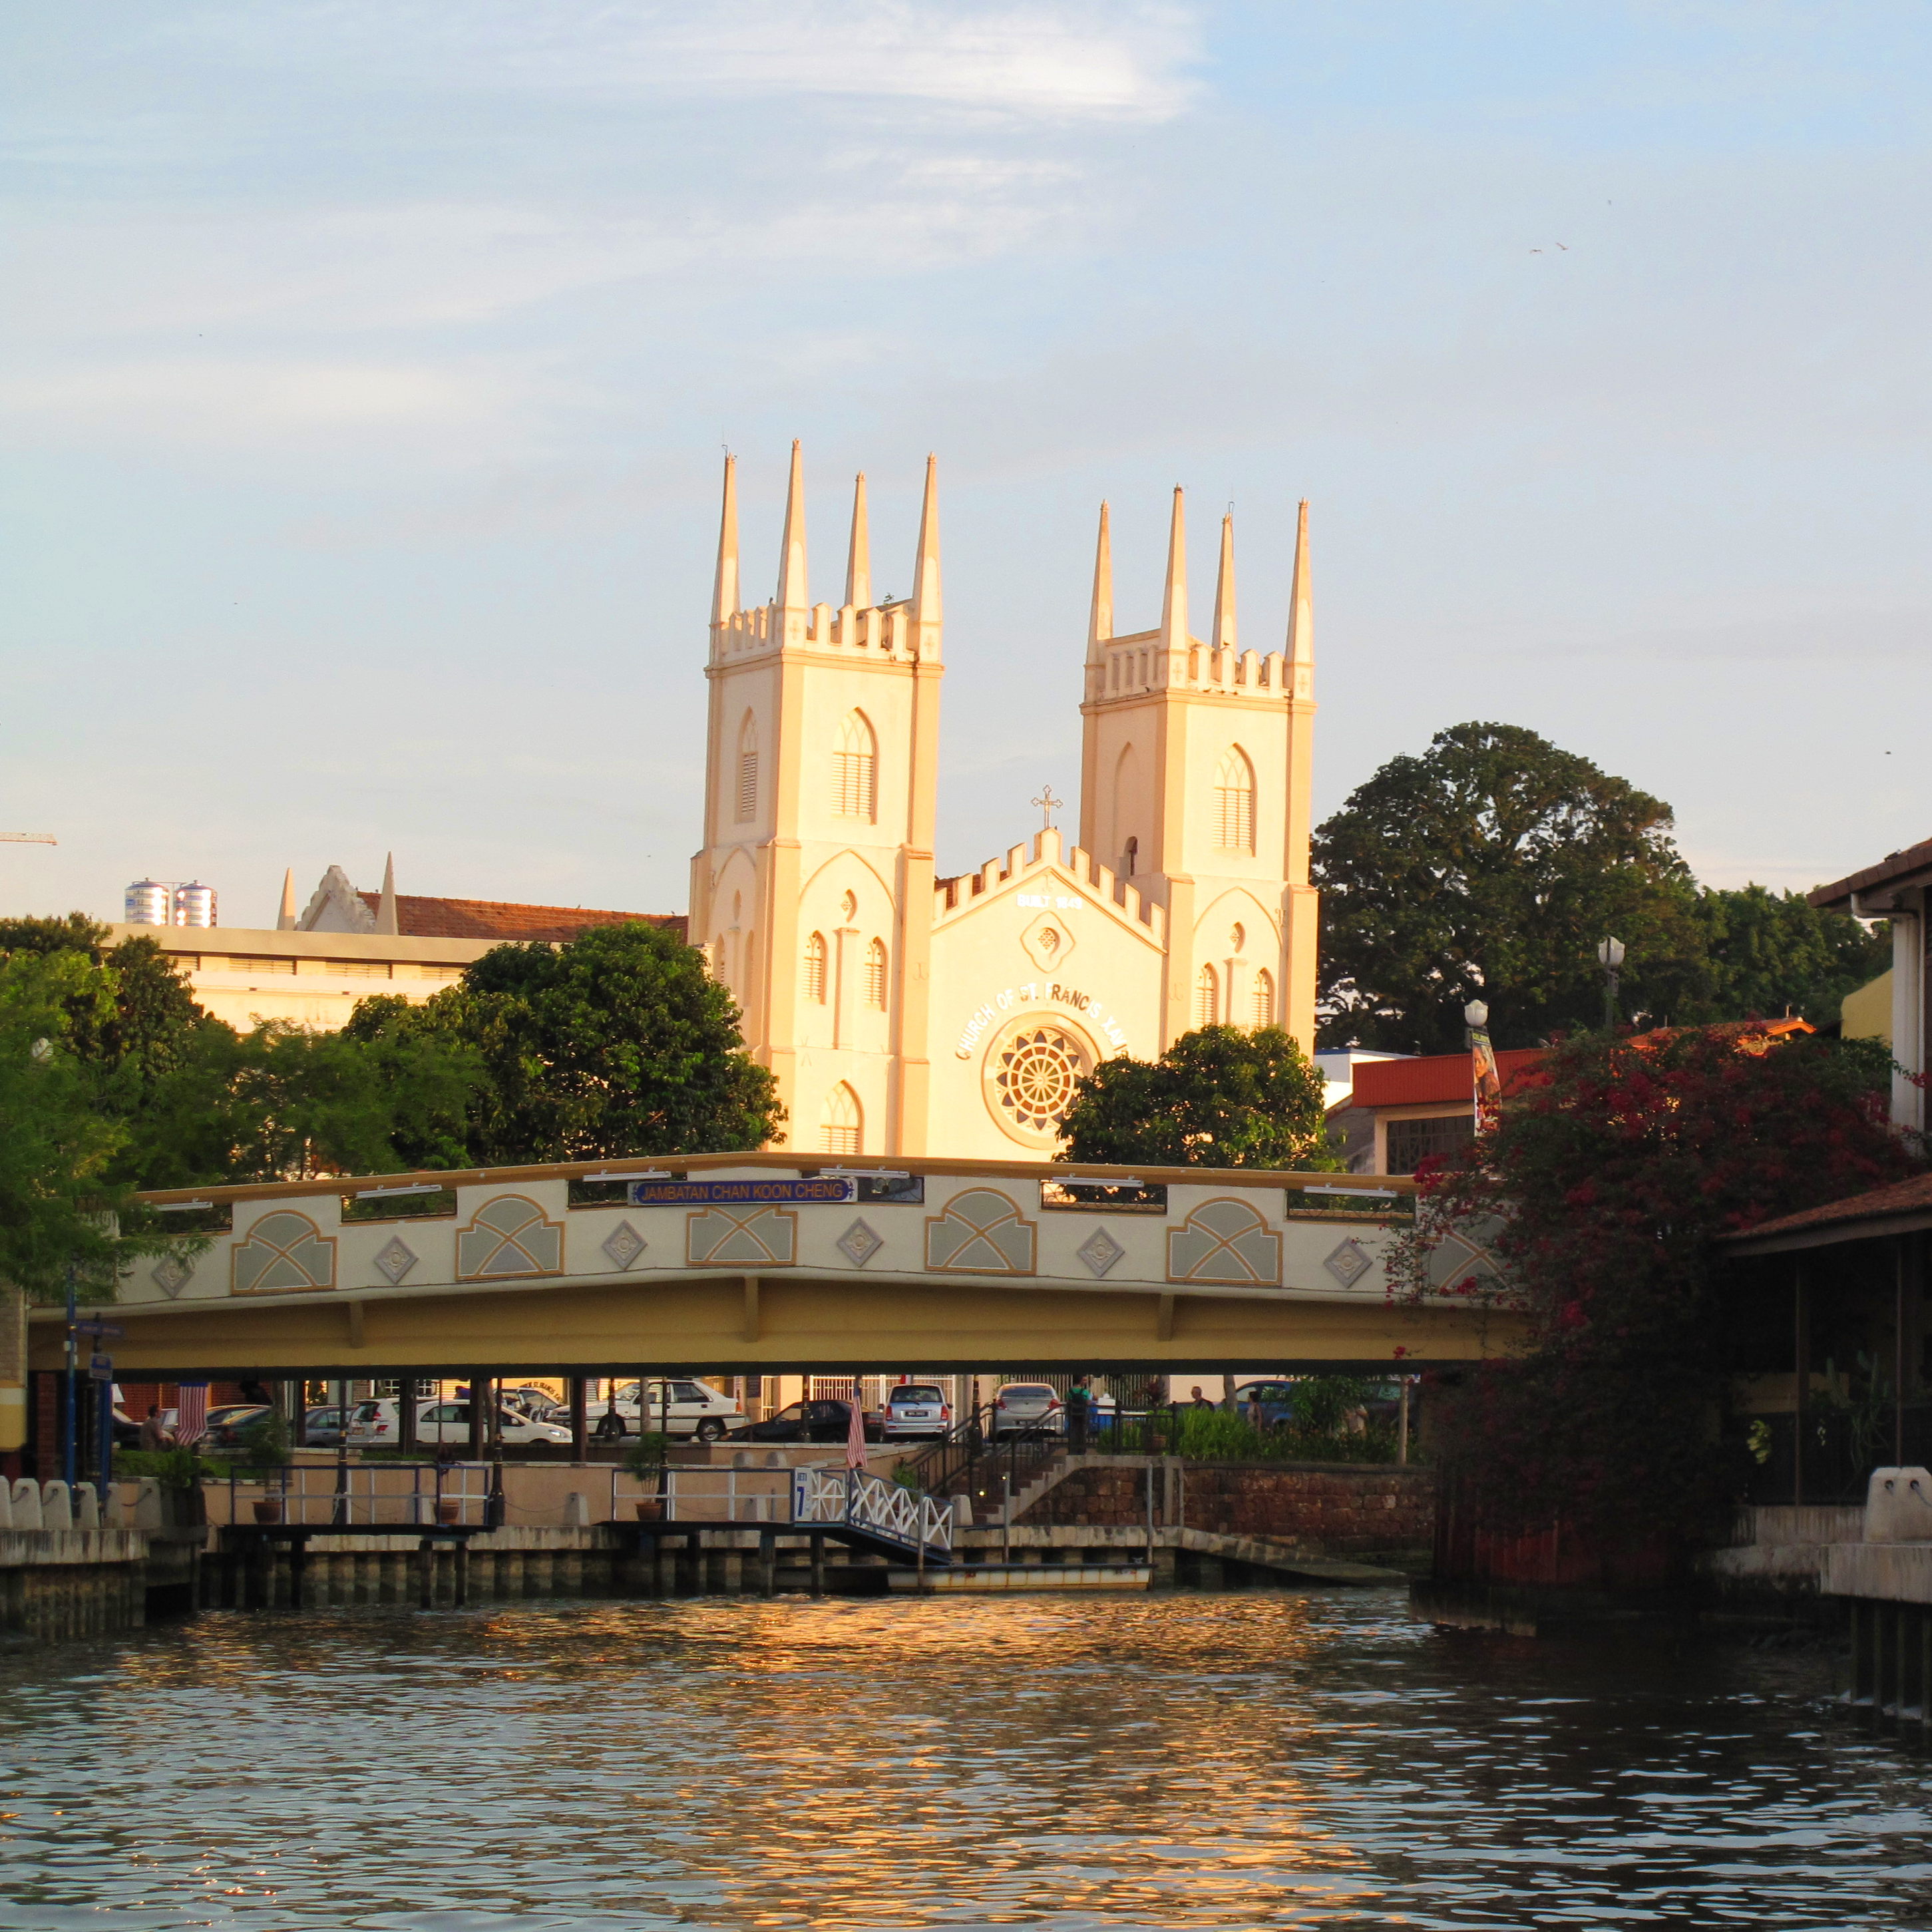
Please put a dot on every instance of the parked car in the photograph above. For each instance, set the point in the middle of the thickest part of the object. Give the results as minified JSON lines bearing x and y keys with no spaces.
{"x":533,"y":1401}
{"x":322,"y":1428}
{"x":820,"y":1420}
{"x":1277,"y":1399}
{"x":378,"y":1425}
{"x":1020,"y":1406}
{"x":914,"y":1409}
{"x":694,"y":1409}
{"x":226,"y":1424}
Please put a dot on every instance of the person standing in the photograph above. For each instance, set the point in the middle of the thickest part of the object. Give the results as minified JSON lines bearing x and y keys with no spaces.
{"x":1079,"y":1407}
{"x":155,"y":1433}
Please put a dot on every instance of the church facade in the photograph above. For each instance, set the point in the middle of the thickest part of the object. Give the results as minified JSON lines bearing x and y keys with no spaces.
{"x":905,"y":1013}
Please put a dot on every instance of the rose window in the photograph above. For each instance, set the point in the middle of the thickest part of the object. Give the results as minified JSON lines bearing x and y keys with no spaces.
{"x":1034,"y":1073}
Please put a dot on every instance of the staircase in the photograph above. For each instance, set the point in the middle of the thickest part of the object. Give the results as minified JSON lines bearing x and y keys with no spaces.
{"x":988,"y":1470}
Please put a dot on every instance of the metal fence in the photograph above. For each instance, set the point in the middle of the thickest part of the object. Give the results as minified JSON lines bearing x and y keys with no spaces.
{"x":405,"y":1494}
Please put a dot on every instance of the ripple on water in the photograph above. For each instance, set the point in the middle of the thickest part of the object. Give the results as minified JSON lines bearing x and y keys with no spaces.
{"x":1170,"y":1762}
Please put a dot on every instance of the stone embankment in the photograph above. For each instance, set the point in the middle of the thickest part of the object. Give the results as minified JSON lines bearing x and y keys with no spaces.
{"x":1354,"y":1509}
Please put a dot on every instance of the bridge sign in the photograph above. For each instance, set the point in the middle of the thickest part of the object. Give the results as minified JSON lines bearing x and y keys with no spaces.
{"x":741,"y":1193}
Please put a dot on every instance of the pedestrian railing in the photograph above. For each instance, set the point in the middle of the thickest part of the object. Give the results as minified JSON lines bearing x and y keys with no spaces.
{"x":405,"y":1494}
{"x":856,"y":1499}
{"x":704,"y":1496}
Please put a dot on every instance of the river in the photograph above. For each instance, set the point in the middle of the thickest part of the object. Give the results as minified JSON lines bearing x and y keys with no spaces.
{"x":1172,"y":1762}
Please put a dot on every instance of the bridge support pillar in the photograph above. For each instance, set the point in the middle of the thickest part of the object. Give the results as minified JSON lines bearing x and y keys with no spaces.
{"x":768,"y":1563}
{"x":817,"y":1566}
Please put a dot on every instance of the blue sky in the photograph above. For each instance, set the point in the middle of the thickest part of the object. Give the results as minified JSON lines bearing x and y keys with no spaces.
{"x":366,"y":366}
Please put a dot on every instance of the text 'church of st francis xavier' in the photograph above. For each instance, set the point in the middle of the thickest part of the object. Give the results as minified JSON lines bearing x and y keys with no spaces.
{"x":903,"y":1013}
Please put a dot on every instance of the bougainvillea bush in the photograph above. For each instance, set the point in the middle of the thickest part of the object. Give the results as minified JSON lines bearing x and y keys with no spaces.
{"x":1601,"y":1191}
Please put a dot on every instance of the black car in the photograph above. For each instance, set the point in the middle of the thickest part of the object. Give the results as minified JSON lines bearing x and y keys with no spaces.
{"x":824,"y":1420}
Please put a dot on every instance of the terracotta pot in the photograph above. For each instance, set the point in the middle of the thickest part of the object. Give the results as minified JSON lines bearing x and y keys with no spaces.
{"x":650,"y":1509}
{"x":268,"y":1510}
{"x":449,"y":1511}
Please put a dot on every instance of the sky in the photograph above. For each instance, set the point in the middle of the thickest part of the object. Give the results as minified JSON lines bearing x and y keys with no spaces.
{"x":365,"y":371}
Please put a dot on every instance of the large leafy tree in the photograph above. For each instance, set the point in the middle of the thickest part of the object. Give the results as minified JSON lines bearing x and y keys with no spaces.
{"x":1768,"y":953}
{"x":182,"y":1100}
{"x":618,"y":1042}
{"x":1600,"y":1192}
{"x":1217,"y":1097}
{"x":1490,"y":867}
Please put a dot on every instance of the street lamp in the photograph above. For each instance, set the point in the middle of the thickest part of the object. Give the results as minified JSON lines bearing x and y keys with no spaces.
{"x":1475,"y":1015}
{"x":1610,"y":957}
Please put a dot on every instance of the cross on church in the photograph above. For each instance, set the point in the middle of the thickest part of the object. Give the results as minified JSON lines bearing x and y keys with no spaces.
{"x":1048,"y":804}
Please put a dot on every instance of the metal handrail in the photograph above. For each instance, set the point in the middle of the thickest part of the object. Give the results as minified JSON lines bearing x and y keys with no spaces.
{"x":317,"y":1495}
{"x":856,"y":1499}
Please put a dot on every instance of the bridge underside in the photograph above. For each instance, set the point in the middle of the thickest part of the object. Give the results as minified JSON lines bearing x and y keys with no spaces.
{"x":785,"y":1323}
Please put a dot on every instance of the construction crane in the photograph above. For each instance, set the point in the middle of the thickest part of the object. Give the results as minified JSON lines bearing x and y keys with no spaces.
{"x":28,"y":839}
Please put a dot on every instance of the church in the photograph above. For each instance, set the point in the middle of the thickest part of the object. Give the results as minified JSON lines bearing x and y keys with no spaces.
{"x":905,"y":1013}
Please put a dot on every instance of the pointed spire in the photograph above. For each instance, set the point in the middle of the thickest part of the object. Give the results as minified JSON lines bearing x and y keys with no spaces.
{"x":1100,"y":621}
{"x":285,"y":920}
{"x":859,"y":558}
{"x":1174,"y":602}
{"x":1224,"y":588}
{"x":724,"y":595}
{"x":792,"y":595}
{"x":1301,"y":600}
{"x":925,"y":603}
{"x":385,"y":908}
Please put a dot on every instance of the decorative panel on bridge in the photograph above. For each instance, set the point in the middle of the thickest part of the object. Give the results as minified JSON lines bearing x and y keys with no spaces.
{"x":935,"y":1262}
{"x":283,"y":1253}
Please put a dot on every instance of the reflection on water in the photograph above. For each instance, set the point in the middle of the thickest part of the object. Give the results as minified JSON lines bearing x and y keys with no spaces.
{"x":1173,"y":1762}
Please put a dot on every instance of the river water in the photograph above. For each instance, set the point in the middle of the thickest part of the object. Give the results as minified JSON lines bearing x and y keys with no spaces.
{"x":1173,"y":1762}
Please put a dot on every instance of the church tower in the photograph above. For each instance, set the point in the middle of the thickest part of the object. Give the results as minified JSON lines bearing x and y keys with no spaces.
{"x":1195,"y":786}
{"x":813,"y":893}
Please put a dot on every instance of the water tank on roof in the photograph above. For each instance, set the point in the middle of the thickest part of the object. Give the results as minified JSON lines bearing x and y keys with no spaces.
{"x":194,"y":905}
{"x":147,"y":903}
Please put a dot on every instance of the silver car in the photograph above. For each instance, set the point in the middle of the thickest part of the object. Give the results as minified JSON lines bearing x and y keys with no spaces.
{"x":1019,"y":1406}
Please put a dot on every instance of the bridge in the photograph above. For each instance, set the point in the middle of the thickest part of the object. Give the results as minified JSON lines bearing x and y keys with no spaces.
{"x":780,"y":1262}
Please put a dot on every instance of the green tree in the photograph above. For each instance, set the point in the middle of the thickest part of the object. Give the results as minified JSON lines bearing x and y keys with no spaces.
{"x":1217,"y":1097}
{"x":617,"y":1042}
{"x":58,"y":1193}
{"x":1769,"y":953}
{"x":1491,"y":867}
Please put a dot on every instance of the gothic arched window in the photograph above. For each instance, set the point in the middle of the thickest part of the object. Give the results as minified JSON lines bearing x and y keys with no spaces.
{"x":840,"y":1125}
{"x":1207,"y":997}
{"x":1234,"y":801}
{"x":855,"y":768}
{"x":815,"y":969}
{"x":748,"y":769}
{"x":875,"y":973}
{"x":1264,"y":998}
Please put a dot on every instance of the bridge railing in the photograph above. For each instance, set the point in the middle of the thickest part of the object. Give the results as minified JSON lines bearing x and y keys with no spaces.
{"x":986,"y":1465}
{"x":315,"y":1495}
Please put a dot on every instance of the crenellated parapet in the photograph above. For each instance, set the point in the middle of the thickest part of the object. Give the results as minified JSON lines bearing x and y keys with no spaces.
{"x":1044,"y":853}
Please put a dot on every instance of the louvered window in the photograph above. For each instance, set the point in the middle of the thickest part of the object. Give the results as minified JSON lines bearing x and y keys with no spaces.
{"x":1264,"y":998}
{"x":839,"y":1126}
{"x":875,"y":974}
{"x":855,"y":780}
{"x":748,"y":786}
{"x":815,"y":969}
{"x":1207,"y":998}
{"x":1235,"y":803}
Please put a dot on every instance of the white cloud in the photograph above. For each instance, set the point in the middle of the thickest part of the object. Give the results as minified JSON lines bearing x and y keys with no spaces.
{"x":1070,"y":61}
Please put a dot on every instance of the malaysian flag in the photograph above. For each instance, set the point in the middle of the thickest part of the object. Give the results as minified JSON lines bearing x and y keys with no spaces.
{"x":190,"y":1413}
{"x":855,"y":1426}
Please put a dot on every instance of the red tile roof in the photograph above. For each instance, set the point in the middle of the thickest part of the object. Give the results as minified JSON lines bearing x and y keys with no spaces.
{"x":1894,"y":869}
{"x":492,"y":919}
{"x":1845,"y":1218}
{"x":1435,"y":1077}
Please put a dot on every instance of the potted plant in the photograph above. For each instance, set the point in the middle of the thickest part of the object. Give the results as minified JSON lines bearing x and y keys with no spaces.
{"x":178,"y":1471}
{"x":645,"y":1459}
{"x":265,"y":1446}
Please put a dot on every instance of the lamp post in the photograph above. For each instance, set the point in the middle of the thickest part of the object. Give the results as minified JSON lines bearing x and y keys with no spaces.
{"x":1610,"y":957}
